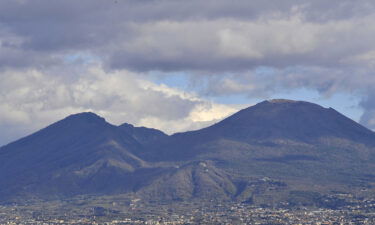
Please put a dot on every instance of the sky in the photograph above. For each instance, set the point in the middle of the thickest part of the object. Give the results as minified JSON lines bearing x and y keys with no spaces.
{"x":180,"y":65}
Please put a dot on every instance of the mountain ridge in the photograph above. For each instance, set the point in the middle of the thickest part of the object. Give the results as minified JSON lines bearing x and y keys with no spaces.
{"x":296,"y":145}
{"x":271,"y":120}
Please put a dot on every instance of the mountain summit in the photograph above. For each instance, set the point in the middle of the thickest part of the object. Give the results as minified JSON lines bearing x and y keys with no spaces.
{"x":294,"y":120}
{"x":270,"y":150}
{"x":272,"y":122}
{"x":79,"y":154}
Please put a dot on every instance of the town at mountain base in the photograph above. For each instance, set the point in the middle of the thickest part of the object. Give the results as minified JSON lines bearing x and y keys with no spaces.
{"x":277,"y":151}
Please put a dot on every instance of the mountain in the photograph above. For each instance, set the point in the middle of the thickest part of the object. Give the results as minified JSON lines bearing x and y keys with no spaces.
{"x":271,"y":150}
{"x":79,"y":154}
{"x":300,"y":144}
{"x":293,"y":120}
{"x":272,"y":124}
{"x":143,"y":135}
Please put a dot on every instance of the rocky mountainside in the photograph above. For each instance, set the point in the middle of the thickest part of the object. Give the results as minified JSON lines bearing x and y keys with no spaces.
{"x":79,"y":154}
{"x":267,"y":151}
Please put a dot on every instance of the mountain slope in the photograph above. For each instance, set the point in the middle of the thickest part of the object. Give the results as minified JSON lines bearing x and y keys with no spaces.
{"x":271,"y":123}
{"x":78,"y":154}
{"x":270,"y":150}
{"x":294,"y":120}
{"x":297,"y":142}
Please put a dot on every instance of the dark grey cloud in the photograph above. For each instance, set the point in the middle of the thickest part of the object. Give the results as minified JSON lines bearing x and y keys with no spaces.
{"x":253,"y":47}
{"x":151,"y":10}
{"x":113,"y":31}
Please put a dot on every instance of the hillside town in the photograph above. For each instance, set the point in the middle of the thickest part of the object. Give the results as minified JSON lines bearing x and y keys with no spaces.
{"x":137,"y":212}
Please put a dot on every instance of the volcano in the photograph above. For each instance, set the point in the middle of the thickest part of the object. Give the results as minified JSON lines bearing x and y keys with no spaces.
{"x":273,"y":149}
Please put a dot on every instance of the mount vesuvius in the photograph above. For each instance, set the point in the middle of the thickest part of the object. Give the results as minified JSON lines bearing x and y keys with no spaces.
{"x":277,"y":149}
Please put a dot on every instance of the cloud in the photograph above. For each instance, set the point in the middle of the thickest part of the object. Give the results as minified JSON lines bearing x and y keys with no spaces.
{"x":187,"y":35}
{"x":234,"y":45}
{"x":58,"y":58}
{"x":203,"y":115}
{"x":265,"y":82}
{"x":31,"y":99}
{"x":368,"y":117}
